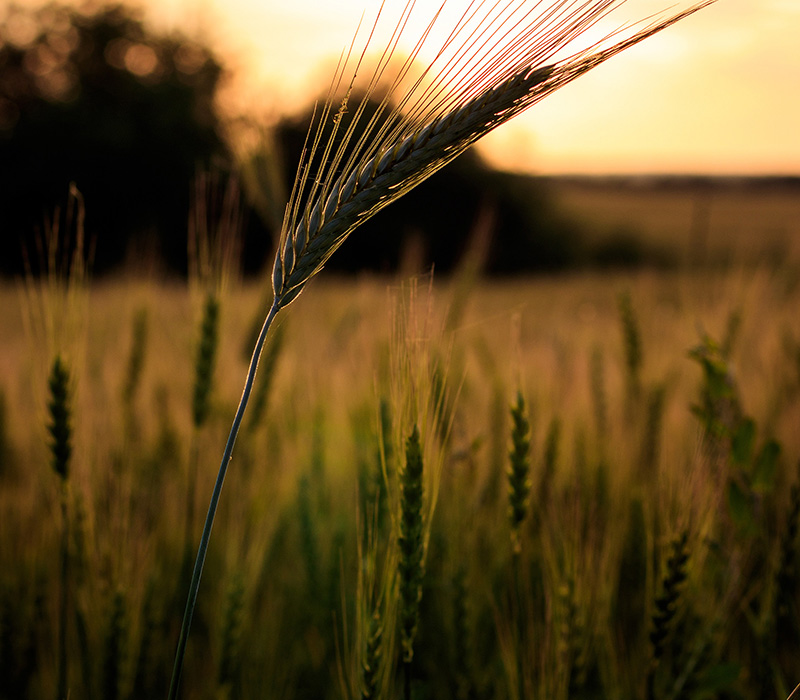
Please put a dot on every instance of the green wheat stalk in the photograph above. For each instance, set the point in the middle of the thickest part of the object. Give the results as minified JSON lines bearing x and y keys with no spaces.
{"x":666,"y":604}
{"x":461,"y":632}
{"x":550,"y":461}
{"x":114,"y":649}
{"x":632,"y":340}
{"x":411,"y":542}
{"x":233,"y":619}
{"x":370,"y":666}
{"x":571,"y":631}
{"x":60,"y":429}
{"x":147,"y":660}
{"x":519,"y":483}
{"x":651,"y":442}
{"x":268,"y":364}
{"x":483,"y":76}
{"x":133,"y":373}
{"x":205,"y":360}
{"x":599,"y":398}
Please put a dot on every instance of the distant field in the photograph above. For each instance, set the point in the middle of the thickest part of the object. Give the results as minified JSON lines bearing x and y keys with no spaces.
{"x":699,"y":220}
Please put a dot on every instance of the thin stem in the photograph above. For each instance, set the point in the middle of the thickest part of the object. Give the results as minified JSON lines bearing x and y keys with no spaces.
{"x":212,"y":506}
{"x":61,"y":691}
{"x":518,"y":618}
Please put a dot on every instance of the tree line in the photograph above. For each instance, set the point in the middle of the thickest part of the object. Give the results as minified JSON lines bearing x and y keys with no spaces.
{"x":98,"y":101}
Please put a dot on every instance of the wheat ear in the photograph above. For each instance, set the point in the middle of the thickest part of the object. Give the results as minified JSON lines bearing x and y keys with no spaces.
{"x":519,"y":483}
{"x":666,"y":604}
{"x":60,"y":429}
{"x":396,"y":155}
{"x":411,"y":566}
{"x":498,"y":60}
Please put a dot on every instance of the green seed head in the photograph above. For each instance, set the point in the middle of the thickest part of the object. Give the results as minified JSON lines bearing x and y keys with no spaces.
{"x":59,"y":427}
{"x":205,"y":359}
{"x":519,"y":484}
{"x":411,"y":564}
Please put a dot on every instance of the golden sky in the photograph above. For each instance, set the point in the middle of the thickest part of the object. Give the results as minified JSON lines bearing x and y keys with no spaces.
{"x":717,"y":93}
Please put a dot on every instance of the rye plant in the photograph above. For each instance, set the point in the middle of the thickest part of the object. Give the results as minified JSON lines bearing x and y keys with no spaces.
{"x":60,"y":429}
{"x":54,"y":302}
{"x":499,"y":59}
{"x":632,"y":343}
{"x":113,"y":676}
{"x":411,"y":542}
{"x":370,"y":666}
{"x":205,"y":361}
{"x":666,"y":606}
{"x":230,"y":644}
{"x":462,"y":637}
{"x":519,"y":482}
{"x":133,"y":371}
{"x":599,"y":396}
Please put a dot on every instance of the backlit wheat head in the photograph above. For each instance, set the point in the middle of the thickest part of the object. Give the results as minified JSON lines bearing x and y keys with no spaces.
{"x":499,"y":59}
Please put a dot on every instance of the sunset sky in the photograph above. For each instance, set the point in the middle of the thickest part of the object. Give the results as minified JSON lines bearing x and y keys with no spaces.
{"x":717,"y":93}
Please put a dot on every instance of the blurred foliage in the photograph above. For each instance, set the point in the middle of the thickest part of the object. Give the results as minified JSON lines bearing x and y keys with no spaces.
{"x":658,"y":557}
{"x":127,"y":114}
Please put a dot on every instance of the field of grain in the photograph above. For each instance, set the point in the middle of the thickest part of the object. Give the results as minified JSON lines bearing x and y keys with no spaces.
{"x":640,"y":543}
{"x":698,"y":221}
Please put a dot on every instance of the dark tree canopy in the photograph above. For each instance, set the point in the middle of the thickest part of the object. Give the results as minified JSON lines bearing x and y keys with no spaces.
{"x":437,"y":217}
{"x":100,"y":101}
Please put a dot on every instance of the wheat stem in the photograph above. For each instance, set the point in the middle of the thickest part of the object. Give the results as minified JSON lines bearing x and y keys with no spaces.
{"x":370,"y":666}
{"x":666,"y":604}
{"x":114,"y":649}
{"x":412,"y":552}
{"x":212,"y":507}
{"x":60,"y":430}
{"x":632,"y":340}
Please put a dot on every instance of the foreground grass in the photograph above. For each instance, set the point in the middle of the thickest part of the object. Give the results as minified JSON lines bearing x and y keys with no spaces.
{"x":656,"y":556}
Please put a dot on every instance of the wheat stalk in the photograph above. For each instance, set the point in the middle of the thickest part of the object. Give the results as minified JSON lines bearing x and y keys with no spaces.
{"x":411,"y":543}
{"x":519,"y":483}
{"x":486,"y":88}
{"x":499,"y":59}
{"x":114,"y":649}
{"x":60,"y":429}
{"x":666,"y":604}
{"x":370,"y":666}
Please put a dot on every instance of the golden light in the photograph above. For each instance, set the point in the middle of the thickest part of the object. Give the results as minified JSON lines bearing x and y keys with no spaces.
{"x":714,"y":93}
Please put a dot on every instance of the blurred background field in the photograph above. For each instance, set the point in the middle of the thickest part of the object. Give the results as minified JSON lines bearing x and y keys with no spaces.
{"x":688,"y":220}
{"x":621,"y":470}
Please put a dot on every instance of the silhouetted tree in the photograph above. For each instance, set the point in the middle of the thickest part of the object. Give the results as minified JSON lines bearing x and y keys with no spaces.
{"x":126,"y":114}
{"x":97,"y":99}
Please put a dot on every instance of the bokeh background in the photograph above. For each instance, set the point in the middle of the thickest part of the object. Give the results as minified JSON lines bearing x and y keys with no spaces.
{"x":711,"y":95}
{"x":133,"y":103}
